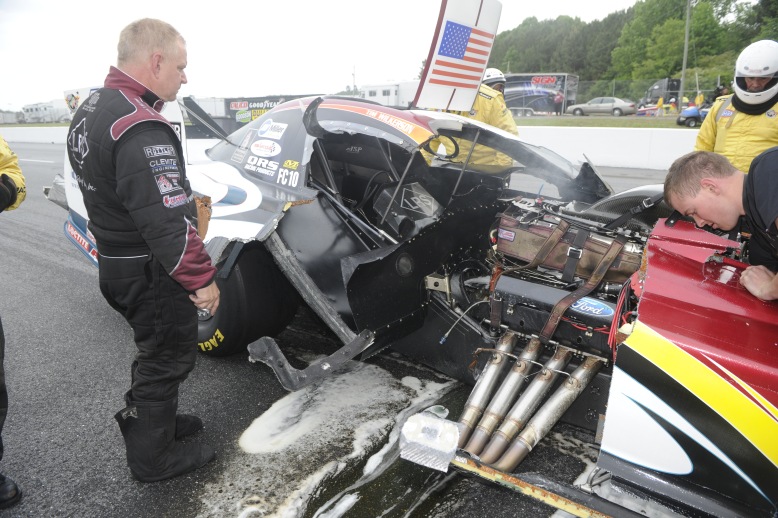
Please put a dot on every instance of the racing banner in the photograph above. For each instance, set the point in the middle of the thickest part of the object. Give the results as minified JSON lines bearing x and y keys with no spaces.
{"x":459,"y":54}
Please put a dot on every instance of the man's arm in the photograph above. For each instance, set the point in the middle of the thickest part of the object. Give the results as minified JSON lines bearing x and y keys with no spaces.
{"x":12,"y":182}
{"x":504,"y":117}
{"x":151,"y":185}
{"x":706,"y":137}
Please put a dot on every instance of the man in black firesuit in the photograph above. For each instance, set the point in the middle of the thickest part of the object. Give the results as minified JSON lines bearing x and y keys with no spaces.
{"x":154,"y":269}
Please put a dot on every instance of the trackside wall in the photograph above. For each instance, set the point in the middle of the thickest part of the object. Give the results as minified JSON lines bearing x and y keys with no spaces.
{"x":640,"y":148}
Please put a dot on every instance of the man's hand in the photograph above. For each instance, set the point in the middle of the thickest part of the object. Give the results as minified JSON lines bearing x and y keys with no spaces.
{"x":7,"y":192}
{"x":760,"y":282}
{"x":207,"y":298}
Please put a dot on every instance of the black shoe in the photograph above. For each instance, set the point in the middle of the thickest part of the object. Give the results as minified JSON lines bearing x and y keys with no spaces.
{"x":10,"y":493}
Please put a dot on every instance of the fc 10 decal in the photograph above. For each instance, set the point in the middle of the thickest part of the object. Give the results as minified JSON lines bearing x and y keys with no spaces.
{"x":288,"y":177}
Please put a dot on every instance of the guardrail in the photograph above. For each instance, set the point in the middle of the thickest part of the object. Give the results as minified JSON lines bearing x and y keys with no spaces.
{"x":641,"y":148}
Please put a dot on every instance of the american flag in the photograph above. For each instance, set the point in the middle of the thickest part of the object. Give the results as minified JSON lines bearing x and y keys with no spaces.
{"x":462,"y":56}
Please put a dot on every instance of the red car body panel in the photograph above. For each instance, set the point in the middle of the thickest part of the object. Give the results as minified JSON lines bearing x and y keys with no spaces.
{"x":701,"y":306}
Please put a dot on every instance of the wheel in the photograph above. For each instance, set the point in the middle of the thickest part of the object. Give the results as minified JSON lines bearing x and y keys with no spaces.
{"x":691,"y":122}
{"x":578,"y":111}
{"x":617,"y":112}
{"x":256,"y":301}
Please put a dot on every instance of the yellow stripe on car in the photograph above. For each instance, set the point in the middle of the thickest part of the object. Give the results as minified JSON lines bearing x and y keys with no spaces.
{"x":757,"y":424}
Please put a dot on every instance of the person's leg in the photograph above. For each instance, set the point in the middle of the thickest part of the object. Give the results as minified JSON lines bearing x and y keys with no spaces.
{"x":10,"y":493}
{"x":164,"y":322}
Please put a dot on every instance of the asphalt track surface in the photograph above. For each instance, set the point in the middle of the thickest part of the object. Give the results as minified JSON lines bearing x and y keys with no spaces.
{"x":67,"y":364}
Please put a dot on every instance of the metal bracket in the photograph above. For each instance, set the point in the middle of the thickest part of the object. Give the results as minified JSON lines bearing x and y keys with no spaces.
{"x":266,"y":350}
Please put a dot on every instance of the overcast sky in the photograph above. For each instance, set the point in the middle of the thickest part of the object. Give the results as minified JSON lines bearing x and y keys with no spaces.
{"x":239,"y":47}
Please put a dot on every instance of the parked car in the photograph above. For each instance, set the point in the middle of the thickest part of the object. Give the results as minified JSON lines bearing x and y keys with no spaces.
{"x":603,"y":106}
{"x":620,"y":321}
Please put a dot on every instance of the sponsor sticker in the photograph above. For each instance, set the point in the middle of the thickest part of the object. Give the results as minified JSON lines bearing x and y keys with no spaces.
{"x":506,"y":235}
{"x":175,"y":201}
{"x":163,"y":164}
{"x":238,"y":155}
{"x":154,"y":151}
{"x":261,"y":166}
{"x":243,"y":116}
{"x":270,"y":129}
{"x":291,"y":164}
{"x":266,"y":148}
{"x":167,"y":182}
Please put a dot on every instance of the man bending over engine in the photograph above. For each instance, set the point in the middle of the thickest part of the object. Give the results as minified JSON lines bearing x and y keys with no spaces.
{"x":706,"y":187}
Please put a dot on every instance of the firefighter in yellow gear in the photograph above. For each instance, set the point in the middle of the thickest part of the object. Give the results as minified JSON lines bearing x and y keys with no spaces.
{"x":489,"y":107}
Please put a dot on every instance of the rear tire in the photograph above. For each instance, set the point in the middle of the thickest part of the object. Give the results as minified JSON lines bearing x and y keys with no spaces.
{"x":617,"y":112}
{"x":691,"y":123}
{"x":256,"y":300}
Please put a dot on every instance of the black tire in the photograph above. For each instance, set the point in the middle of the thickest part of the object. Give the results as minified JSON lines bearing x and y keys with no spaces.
{"x":617,"y":112}
{"x":578,"y":112}
{"x":691,"y":123}
{"x":256,"y":301}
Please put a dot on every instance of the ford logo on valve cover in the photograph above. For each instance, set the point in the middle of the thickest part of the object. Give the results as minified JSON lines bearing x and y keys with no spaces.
{"x":589,"y":306}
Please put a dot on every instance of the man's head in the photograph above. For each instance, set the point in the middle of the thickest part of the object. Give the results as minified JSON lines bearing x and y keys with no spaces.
{"x":756,"y":72}
{"x":154,"y":53}
{"x":706,"y":187}
{"x":495,"y":79}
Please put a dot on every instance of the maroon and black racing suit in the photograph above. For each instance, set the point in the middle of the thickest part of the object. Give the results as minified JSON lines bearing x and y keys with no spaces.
{"x":128,"y":162}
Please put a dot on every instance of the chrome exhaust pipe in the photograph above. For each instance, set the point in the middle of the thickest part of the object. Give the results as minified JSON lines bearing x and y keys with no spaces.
{"x":525,"y":406}
{"x":504,"y":398}
{"x":548,"y":415}
{"x":484,"y":387}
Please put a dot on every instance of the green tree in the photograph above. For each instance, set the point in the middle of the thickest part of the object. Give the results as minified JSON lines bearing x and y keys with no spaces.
{"x":636,"y":37}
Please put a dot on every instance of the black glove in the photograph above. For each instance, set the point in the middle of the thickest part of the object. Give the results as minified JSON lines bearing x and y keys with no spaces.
{"x":7,"y":192}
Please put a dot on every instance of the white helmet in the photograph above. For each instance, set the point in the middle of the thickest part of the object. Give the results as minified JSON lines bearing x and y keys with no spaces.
{"x":760,"y":59}
{"x":493,"y":76}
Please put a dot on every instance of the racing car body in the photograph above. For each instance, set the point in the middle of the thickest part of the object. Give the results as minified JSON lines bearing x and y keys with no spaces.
{"x":575,"y":303}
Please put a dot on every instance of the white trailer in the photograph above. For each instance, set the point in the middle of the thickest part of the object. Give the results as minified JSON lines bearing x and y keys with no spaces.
{"x":52,"y":111}
{"x":397,"y":94}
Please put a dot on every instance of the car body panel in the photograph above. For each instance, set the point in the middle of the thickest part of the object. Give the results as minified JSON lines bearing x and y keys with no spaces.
{"x":695,"y":386}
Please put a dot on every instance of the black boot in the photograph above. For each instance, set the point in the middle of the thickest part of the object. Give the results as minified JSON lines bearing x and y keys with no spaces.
{"x":149,"y":430}
{"x":185,"y":424}
{"x":10,"y":493}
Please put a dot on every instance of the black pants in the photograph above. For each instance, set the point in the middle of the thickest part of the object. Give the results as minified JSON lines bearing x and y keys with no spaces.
{"x":163,"y":319}
{"x":3,"y":391}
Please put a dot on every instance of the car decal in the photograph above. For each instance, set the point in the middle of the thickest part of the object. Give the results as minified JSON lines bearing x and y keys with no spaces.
{"x":413,"y":130}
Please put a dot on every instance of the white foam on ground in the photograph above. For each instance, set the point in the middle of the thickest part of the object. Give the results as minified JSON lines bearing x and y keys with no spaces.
{"x":312,"y":435}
